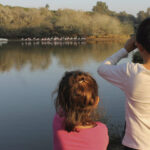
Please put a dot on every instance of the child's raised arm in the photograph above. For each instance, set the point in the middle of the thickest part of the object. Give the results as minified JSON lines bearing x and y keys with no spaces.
{"x":112,"y":72}
{"x":117,"y":74}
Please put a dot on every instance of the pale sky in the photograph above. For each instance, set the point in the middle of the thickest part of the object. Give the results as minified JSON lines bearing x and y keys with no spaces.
{"x":130,"y":6}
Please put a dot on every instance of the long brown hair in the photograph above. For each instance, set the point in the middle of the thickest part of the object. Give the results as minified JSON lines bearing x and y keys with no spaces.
{"x":77,"y":94}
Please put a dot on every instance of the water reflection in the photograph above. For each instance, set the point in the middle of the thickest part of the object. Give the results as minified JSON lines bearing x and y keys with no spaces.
{"x":28,"y":76}
{"x":16,"y":55}
{"x":77,"y":57}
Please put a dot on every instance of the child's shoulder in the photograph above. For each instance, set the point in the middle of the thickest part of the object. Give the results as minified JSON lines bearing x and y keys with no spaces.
{"x":58,"y":118}
{"x":57,"y":121}
{"x":101,"y":125}
{"x":102,"y":130}
{"x":134,"y":67}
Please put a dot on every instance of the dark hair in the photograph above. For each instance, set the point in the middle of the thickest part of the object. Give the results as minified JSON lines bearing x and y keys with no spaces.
{"x":143,"y":34}
{"x":76,"y":97}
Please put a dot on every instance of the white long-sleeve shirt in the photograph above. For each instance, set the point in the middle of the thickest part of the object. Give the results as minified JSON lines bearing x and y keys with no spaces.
{"x":134,"y":80}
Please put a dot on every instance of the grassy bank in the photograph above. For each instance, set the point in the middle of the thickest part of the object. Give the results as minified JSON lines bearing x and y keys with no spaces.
{"x":108,"y":38}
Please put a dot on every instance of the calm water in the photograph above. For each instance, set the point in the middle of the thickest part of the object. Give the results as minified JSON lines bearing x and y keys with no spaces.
{"x":28,"y":76}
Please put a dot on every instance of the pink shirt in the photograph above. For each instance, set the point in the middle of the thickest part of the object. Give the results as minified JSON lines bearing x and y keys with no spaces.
{"x":86,"y":139}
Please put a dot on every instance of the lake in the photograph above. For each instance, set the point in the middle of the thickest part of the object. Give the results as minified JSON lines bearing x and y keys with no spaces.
{"x":30,"y":72}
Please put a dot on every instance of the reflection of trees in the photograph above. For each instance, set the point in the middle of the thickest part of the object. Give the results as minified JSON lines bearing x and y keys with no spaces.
{"x":78,"y":56}
{"x":39,"y":57}
{"x":14,"y":55}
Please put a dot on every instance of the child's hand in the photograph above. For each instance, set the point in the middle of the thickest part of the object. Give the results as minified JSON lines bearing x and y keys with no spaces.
{"x":130,"y":44}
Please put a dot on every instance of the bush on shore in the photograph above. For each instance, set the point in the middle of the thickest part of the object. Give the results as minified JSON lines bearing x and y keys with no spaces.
{"x":17,"y":22}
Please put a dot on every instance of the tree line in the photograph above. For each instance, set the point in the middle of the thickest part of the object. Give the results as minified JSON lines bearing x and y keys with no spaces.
{"x":18,"y":22}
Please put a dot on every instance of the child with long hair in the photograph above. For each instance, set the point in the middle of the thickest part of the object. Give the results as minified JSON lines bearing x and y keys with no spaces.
{"x":75,"y":125}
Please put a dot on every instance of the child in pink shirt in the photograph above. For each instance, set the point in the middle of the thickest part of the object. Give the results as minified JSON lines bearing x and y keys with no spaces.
{"x":75,"y":126}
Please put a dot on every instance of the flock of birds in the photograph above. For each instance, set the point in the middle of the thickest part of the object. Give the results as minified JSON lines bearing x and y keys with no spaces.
{"x":55,"y":39}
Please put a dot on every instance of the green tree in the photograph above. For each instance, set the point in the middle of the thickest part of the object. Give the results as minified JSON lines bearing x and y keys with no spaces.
{"x":101,"y":7}
{"x":148,"y":12}
{"x":47,"y":6}
{"x":141,"y":16}
{"x":16,"y":22}
{"x":126,"y":18}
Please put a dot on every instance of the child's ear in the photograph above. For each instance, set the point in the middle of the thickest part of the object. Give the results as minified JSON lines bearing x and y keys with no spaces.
{"x":97,"y":101}
{"x":140,"y":47}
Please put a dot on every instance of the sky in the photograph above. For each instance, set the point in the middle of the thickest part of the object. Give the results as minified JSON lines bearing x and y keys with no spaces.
{"x":130,"y":6}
